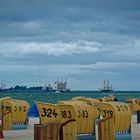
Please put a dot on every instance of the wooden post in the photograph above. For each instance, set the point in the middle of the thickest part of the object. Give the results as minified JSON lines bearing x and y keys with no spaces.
{"x":68,"y":130}
{"x":106,"y":129}
{"x":138,"y":116}
{"x":46,"y":132}
{"x":1,"y":127}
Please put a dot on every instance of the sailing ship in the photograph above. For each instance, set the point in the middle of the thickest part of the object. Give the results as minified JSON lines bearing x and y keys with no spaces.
{"x":107,"y":87}
{"x":2,"y":86}
{"x":47,"y":88}
{"x":61,"y":86}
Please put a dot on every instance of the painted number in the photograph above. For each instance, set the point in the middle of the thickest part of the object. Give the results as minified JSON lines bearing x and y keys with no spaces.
{"x":20,"y":108}
{"x":82,"y":113}
{"x":122,"y":108}
{"x":24,"y":108}
{"x":15,"y":109}
{"x":7,"y":108}
{"x":48,"y":112}
{"x":107,"y":113}
{"x":126,"y":108}
{"x":66,"y":114}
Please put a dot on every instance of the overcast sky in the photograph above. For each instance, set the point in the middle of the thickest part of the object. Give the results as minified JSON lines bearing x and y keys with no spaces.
{"x":85,"y":41}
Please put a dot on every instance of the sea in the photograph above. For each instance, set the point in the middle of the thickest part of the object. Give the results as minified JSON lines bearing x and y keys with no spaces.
{"x":52,"y":97}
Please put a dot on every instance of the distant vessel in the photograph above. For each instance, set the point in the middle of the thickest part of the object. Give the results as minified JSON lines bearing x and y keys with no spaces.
{"x":107,"y":87}
{"x":47,"y":88}
{"x":3,"y":86}
{"x":61,"y":86}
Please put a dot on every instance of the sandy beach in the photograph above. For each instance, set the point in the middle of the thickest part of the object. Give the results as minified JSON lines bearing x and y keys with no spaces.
{"x":29,"y":133}
{"x":135,"y":128}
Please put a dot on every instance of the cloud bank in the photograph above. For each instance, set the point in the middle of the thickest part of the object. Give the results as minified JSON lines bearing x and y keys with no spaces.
{"x":50,"y":48}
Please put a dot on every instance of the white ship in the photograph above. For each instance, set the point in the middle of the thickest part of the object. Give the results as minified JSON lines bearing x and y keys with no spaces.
{"x":2,"y":86}
{"x":48,"y":88}
{"x":61,"y":86}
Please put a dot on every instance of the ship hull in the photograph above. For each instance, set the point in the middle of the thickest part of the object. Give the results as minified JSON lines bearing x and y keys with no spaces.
{"x":65,"y":90}
{"x":107,"y":91}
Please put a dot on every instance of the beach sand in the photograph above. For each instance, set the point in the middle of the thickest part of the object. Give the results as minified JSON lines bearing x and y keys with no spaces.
{"x":135,"y":128}
{"x":29,"y":133}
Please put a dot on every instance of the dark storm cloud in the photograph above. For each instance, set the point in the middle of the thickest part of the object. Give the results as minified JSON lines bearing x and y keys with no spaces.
{"x":57,"y":15}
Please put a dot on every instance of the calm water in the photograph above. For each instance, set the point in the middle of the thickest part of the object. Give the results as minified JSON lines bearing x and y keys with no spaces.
{"x":32,"y":97}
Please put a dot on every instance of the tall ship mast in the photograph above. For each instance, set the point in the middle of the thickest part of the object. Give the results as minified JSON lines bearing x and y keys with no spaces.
{"x":47,"y":88}
{"x":107,"y":87}
{"x":61,"y":86}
